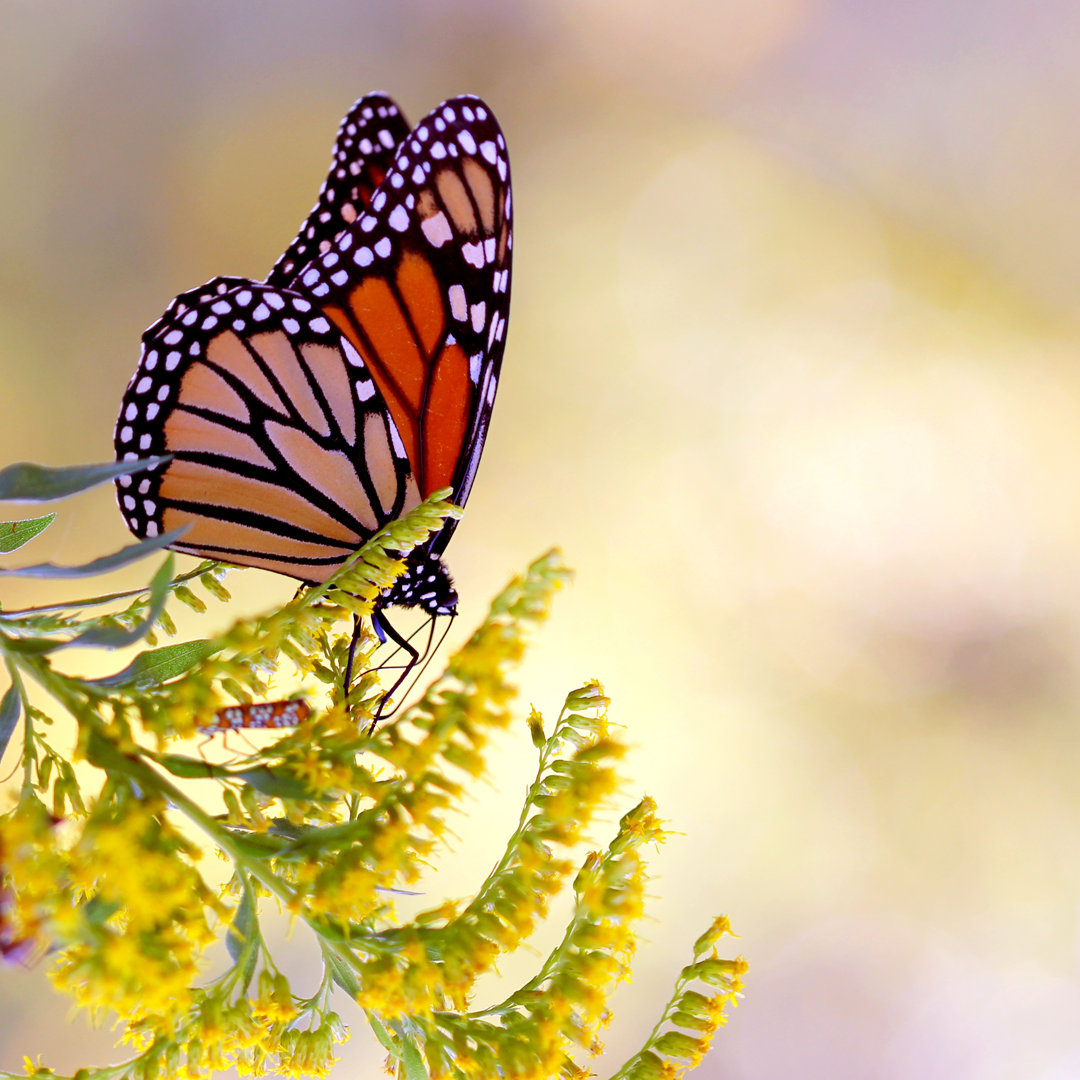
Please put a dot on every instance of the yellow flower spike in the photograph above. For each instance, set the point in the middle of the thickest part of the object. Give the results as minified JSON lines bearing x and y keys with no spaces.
{"x":309,"y":827}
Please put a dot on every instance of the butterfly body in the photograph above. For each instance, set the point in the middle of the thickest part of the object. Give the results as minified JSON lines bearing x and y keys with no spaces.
{"x":305,"y":412}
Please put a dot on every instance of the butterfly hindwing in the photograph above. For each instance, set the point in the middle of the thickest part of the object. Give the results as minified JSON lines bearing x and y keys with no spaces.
{"x":419,"y":284}
{"x":366,"y":141}
{"x":284,"y":455}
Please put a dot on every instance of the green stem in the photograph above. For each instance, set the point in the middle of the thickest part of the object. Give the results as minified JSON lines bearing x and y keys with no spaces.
{"x":108,"y":598}
{"x":28,"y":724}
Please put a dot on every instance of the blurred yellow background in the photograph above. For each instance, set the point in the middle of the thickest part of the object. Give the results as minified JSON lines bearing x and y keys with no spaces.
{"x":793,"y":378}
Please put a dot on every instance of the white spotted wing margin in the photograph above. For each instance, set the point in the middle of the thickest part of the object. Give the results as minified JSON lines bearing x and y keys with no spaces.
{"x":363,"y":152}
{"x":420,"y":284}
{"x":284,"y":455}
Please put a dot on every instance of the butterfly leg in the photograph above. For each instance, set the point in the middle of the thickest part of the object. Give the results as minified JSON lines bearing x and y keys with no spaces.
{"x":384,"y":630}
{"x":347,"y":682}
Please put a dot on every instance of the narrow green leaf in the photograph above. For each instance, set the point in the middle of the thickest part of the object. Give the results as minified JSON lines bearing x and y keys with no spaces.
{"x":271,"y":783}
{"x":13,"y":534}
{"x":157,"y":666}
{"x":103,"y":754}
{"x":413,"y":1062}
{"x":255,"y":845}
{"x":115,"y":637}
{"x":131,"y":553}
{"x":33,"y":646}
{"x":243,"y":930}
{"x":189,"y":768}
{"x":346,"y":978}
{"x":10,"y":711}
{"x":26,"y":482}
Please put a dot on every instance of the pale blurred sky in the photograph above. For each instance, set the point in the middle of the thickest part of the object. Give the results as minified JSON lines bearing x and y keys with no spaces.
{"x":792,"y":375}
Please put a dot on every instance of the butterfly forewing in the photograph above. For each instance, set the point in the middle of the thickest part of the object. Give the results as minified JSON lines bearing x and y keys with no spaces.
{"x":366,"y":141}
{"x":420,"y":285}
{"x":283,"y":454}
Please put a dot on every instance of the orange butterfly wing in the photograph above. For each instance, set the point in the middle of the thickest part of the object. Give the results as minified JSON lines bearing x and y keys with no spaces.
{"x":428,"y":309}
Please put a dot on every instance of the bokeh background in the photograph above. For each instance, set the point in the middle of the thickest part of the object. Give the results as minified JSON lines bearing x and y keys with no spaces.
{"x":793,"y":377}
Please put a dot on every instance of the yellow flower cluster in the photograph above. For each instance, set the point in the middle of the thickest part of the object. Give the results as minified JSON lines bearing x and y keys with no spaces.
{"x":327,"y":821}
{"x":143,"y":912}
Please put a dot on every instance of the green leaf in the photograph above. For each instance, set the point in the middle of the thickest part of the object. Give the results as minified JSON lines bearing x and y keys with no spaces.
{"x":189,"y":768}
{"x":116,"y":637}
{"x":271,"y":783}
{"x":26,"y":482}
{"x":377,"y":1029}
{"x":33,"y":646}
{"x":131,"y":553}
{"x":156,"y":666}
{"x":13,"y":534}
{"x":255,"y":845}
{"x":10,"y":711}
{"x":413,"y":1062}
{"x":243,"y":931}
{"x":346,"y":978}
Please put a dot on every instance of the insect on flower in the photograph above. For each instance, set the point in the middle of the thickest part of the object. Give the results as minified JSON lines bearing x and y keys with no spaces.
{"x":304,"y":412}
{"x":249,"y":716}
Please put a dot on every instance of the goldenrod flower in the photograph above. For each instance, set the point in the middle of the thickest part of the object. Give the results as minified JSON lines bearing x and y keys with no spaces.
{"x":327,"y":823}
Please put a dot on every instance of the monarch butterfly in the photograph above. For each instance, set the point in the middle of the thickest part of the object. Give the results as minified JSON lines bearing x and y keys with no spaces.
{"x":304,"y":412}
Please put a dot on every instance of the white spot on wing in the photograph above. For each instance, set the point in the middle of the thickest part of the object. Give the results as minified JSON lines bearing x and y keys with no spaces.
{"x":395,"y":438}
{"x":437,"y":229}
{"x":351,"y":354}
{"x":458,"y":307}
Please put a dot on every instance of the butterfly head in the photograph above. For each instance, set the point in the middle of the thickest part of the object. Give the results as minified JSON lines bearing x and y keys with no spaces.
{"x":426,"y":584}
